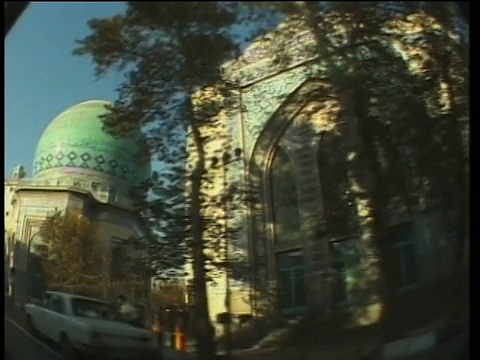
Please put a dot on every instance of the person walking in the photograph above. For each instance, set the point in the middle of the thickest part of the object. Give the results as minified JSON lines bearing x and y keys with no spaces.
{"x":12,"y":284}
{"x":127,"y":311}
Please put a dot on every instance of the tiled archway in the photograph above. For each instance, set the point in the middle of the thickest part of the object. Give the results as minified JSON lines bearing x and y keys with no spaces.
{"x":295,"y":127}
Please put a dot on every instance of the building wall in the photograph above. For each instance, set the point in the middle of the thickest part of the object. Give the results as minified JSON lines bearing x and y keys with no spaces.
{"x":29,"y":207}
{"x":30,"y":211}
{"x":270,"y":112}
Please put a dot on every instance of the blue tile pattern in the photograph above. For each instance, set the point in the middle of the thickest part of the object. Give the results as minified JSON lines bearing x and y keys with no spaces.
{"x":85,"y":160}
{"x":76,"y":139}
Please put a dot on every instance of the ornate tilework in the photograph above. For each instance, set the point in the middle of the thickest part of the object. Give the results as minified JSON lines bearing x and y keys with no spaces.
{"x":267,"y":57}
{"x":86,"y":160}
{"x":273,"y":93}
{"x":76,"y":139}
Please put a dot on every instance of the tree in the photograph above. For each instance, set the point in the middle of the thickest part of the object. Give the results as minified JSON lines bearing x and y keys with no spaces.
{"x":70,"y":252}
{"x":168,"y":52}
{"x":170,"y":292}
{"x":446,"y":161}
{"x":392,"y":109}
{"x":168,"y":58}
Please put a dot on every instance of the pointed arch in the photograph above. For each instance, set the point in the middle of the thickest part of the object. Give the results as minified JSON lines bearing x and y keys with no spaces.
{"x":260,"y":162}
{"x":288,"y":134}
{"x":36,"y":273}
{"x":284,"y":199}
{"x":268,"y":138}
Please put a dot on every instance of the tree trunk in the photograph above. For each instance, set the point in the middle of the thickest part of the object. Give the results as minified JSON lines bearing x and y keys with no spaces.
{"x":461,"y":201}
{"x":203,"y":329}
{"x":366,"y":174}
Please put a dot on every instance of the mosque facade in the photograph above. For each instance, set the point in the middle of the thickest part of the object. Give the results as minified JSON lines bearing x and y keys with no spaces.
{"x":292,"y":261}
{"x":295,"y":263}
{"x":77,"y":167}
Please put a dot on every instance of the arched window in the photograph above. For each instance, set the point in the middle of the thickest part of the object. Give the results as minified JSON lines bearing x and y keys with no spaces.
{"x":340,"y":212}
{"x":286,"y":216}
{"x":118,"y":257}
{"x":36,"y":271}
{"x":342,"y":222}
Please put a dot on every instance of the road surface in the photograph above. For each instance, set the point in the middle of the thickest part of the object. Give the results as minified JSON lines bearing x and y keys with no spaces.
{"x":20,"y":345}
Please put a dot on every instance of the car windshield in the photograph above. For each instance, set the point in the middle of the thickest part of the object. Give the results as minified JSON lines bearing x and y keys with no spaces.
{"x":92,"y":309}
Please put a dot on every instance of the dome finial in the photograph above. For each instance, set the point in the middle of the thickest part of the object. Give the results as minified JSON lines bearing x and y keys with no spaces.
{"x":18,"y":172}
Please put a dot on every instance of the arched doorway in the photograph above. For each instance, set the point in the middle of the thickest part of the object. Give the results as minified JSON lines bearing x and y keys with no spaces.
{"x":36,"y":281}
{"x":287,"y":229}
{"x":287,"y":219}
{"x":284,"y":199}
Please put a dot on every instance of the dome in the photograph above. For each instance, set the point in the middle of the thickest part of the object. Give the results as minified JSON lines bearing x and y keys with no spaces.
{"x":76,"y":143}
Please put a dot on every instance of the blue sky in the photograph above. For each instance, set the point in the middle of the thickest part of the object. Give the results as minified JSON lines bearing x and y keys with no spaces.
{"x":43,"y":78}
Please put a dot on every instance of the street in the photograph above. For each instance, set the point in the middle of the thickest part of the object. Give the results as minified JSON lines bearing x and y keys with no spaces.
{"x":20,"y":345}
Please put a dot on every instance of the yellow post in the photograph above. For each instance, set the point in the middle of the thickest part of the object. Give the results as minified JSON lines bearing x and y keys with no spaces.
{"x":157,"y":330}
{"x":180,"y":338}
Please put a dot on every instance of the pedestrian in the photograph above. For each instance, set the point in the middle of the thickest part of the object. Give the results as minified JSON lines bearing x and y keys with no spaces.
{"x":12,"y":284}
{"x":127,"y":311}
{"x":157,"y":330}
{"x":170,"y":325}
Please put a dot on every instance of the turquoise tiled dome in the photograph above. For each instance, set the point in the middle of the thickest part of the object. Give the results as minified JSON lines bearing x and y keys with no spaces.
{"x":75,"y":139}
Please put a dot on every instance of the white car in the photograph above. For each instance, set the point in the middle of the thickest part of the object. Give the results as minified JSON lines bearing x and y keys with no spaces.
{"x":85,"y":325}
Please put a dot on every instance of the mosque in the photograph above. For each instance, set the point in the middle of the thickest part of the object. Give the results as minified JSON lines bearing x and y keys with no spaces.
{"x":297,"y":238}
{"x":80,"y":167}
{"x":289,"y":238}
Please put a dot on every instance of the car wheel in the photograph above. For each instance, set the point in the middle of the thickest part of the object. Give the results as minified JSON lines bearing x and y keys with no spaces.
{"x":68,"y":351}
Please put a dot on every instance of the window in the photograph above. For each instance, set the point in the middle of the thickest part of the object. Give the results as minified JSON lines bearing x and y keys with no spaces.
{"x":95,"y":186}
{"x":286,"y":216}
{"x":403,"y":242}
{"x":117,"y":259}
{"x":112,"y":195}
{"x":56,"y":303}
{"x":292,"y":293}
{"x":89,"y":208}
{"x":46,"y":300}
{"x":348,"y":275}
{"x":92,"y":309}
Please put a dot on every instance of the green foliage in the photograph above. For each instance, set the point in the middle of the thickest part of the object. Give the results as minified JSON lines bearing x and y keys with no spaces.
{"x":70,"y":252}
{"x":403,"y":93}
{"x":399,"y":72}
{"x":167,"y":51}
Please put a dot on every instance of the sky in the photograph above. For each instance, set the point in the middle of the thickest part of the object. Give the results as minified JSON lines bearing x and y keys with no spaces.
{"x":43,"y":78}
